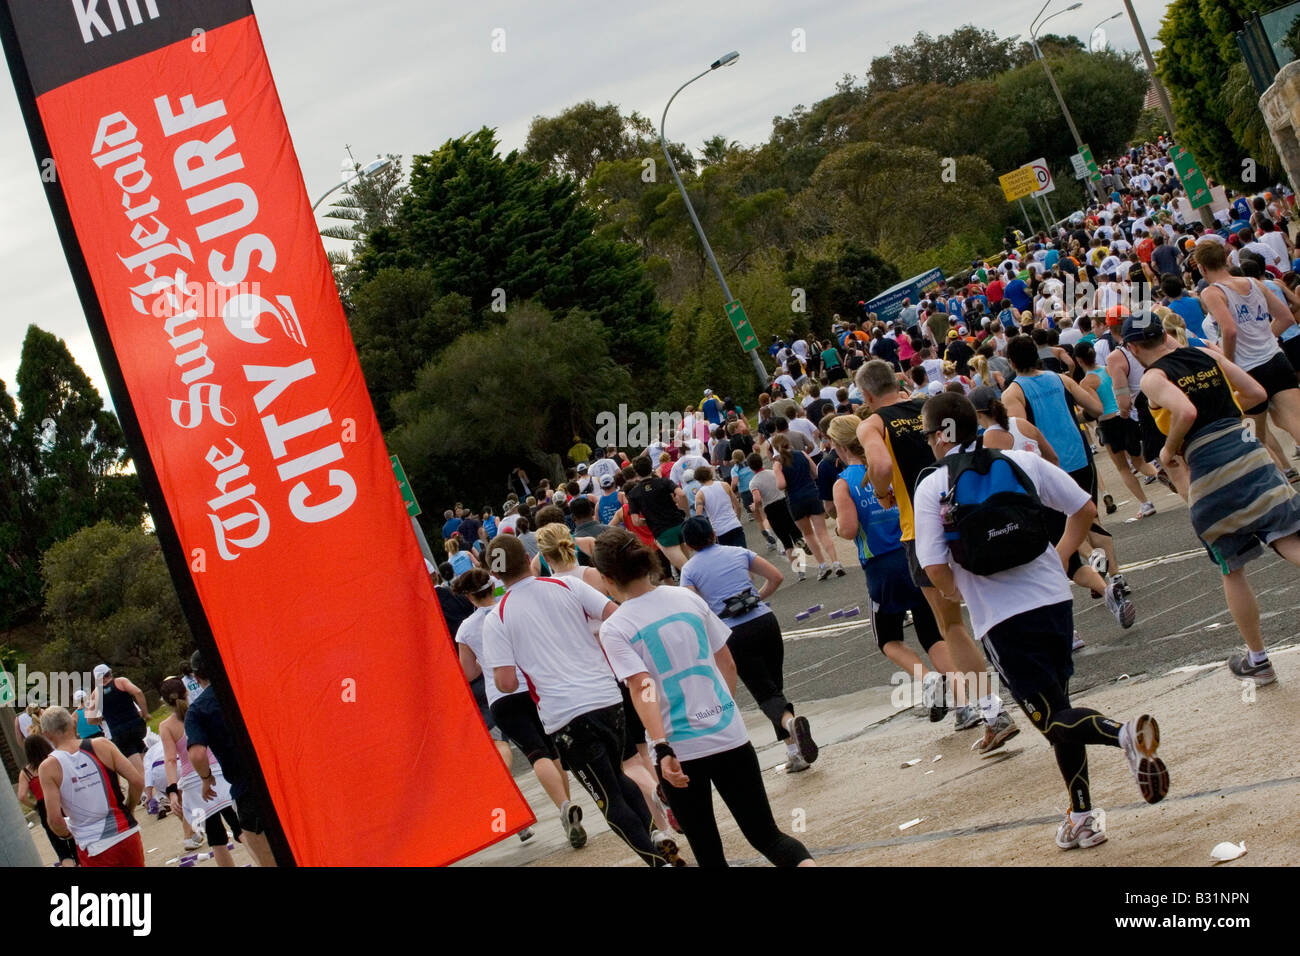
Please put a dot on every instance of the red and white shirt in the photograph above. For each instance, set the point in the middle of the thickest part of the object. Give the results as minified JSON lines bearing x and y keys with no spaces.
{"x":91,"y":801}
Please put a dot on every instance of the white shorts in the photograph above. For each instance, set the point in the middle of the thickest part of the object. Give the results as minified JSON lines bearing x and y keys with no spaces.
{"x":192,"y":803}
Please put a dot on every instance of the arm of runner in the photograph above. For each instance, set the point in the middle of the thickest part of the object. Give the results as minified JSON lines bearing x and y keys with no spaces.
{"x":645,"y":701}
{"x":1087,"y":400}
{"x":1249,"y":392}
{"x":51,"y":774}
{"x":846,"y":513}
{"x":778,"y":473}
{"x":469,"y":663}
{"x":727,"y":665}
{"x":880,"y":465}
{"x":506,"y":679}
{"x":25,"y":791}
{"x":735,"y":502}
{"x":1281,"y":312}
{"x":769,"y":573}
{"x":137,"y":694}
{"x":1013,"y":399}
{"x":1215,"y":303}
{"x":115,"y":760}
{"x":1163,"y":393}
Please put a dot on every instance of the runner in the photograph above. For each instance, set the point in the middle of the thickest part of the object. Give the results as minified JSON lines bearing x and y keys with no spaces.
{"x":769,"y":500}
{"x":662,"y":506}
{"x":1024,"y":614}
{"x":657,"y":637}
{"x":1117,"y":429}
{"x":877,"y":534}
{"x":36,"y":747}
{"x":721,"y":575}
{"x":121,"y":705}
{"x":1239,"y":500}
{"x":716,"y":501}
{"x":515,"y":714}
{"x":896,"y":452}
{"x":795,"y":474}
{"x":82,"y":799}
{"x":185,"y":789}
{"x":540,"y":626}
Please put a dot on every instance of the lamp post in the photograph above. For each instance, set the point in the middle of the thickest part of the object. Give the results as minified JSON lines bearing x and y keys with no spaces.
{"x":369,"y":169}
{"x":1033,"y":39}
{"x":1092,"y":32}
{"x":727,"y":59}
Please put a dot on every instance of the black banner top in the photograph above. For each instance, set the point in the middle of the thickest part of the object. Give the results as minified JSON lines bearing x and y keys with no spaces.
{"x":64,"y":40}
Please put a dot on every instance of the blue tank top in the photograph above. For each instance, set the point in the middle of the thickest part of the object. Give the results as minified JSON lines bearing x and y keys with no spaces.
{"x":879,"y":531}
{"x":607,"y":507}
{"x":1106,"y":392}
{"x":1050,"y":411}
{"x":744,"y":475}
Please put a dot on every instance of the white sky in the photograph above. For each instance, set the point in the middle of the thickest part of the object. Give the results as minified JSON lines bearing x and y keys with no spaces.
{"x":403,"y":76}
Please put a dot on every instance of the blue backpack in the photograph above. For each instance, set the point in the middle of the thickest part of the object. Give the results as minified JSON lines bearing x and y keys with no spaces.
{"x":993,"y":519}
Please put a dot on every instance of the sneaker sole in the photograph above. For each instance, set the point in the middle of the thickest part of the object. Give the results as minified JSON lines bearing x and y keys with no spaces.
{"x":1152,"y":775}
{"x":1259,"y":680}
{"x":1109,"y":502}
{"x":669,"y":851}
{"x":999,"y":739}
{"x":1097,"y":839}
{"x":577,"y":834}
{"x":937,"y":714}
{"x":1127,"y":614}
{"x":803,"y":739}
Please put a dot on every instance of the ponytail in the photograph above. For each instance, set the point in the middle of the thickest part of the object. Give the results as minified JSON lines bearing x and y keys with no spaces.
{"x":998,"y":411}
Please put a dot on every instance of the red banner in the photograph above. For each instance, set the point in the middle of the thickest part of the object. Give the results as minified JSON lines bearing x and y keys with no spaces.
{"x":195,"y":229}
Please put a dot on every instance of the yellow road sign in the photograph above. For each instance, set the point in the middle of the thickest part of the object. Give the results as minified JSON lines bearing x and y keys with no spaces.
{"x":1018,"y":183}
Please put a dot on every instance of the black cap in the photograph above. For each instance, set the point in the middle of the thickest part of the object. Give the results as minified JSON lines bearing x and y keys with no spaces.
{"x":1143,"y":326}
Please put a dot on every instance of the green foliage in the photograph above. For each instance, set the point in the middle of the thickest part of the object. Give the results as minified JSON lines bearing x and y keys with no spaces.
{"x":366,"y":204}
{"x":835,"y":279}
{"x":504,"y":396}
{"x":1151,"y":124}
{"x":968,"y":53}
{"x":109,"y":598}
{"x":576,"y":141}
{"x":65,"y":466}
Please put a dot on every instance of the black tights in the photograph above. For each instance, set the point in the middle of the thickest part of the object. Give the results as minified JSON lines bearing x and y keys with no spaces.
{"x":592,"y":749}
{"x":759,"y":653}
{"x":1070,"y":730}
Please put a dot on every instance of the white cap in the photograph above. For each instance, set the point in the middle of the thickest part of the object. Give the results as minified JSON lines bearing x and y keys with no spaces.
{"x":78,"y":697}
{"x":101,"y":670}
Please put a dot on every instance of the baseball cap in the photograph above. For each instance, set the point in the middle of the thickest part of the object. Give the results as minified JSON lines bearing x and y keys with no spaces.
{"x":101,"y":670}
{"x":78,"y":697}
{"x":1116,"y":314}
{"x":582,"y":467}
{"x":607,"y":481}
{"x":984,"y":397}
{"x":708,"y":391}
{"x":1142,"y":326}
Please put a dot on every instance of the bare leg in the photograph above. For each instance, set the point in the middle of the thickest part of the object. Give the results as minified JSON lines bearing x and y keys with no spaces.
{"x":637,"y":768}
{"x":553,"y":780}
{"x":1244,"y":608}
{"x":1130,"y":480}
{"x":967,"y":659}
{"x":1274,"y":449}
{"x":1288,"y":547}
{"x":806,"y":526}
{"x":1284,"y":409}
{"x":905,"y":657}
{"x":823,"y":536}
{"x":675,"y":555}
{"x":258,"y":846}
{"x":222,"y":856}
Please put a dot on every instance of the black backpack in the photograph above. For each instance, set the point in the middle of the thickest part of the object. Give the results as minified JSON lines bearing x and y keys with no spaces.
{"x":993,"y":519}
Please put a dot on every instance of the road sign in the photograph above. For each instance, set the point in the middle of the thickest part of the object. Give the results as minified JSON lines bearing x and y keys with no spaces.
{"x":412,"y":506}
{"x":1193,"y":180}
{"x":740,"y":323}
{"x":1080,"y":165}
{"x":1042,"y":177}
{"x":1093,"y":172}
{"x":1018,"y":183}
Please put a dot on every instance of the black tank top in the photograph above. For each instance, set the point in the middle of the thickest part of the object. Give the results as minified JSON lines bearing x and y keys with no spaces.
{"x":1199,"y":377}
{"x":911,"y":452}
{"x":118,"y":706}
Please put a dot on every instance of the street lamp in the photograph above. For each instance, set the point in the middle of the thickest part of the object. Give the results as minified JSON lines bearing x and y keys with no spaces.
{"x":725,"y":60}
{"x":372,"y":167}
{"x":1033,"y":38}
{"x":1093,"y":31}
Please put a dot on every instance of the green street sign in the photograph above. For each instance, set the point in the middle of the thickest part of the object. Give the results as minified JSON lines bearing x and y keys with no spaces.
{"x":1193,"y":180}
{"x":412,"y":506}
{"x":1093,"y":172}
{"x":740,"y":323}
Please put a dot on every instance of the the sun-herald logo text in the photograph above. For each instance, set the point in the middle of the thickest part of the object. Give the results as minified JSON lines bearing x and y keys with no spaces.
{"x":77,"y":909}
{"x":90,"y":16}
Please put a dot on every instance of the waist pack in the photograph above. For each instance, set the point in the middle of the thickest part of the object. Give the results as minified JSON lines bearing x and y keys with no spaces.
{"x":739,"y":604}
{"x":993,"y":519}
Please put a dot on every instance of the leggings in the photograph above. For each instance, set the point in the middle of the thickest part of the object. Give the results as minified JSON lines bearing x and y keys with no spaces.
{"x":1031,"y":652}
{"x":591,"y":747}
{"x":782,"y":523}
{"x":740,"y":784}
{"x":759,"y":653}
{"x":216,"y":832}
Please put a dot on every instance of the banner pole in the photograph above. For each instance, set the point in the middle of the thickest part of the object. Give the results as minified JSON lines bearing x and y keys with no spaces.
{"x":173,"y":553}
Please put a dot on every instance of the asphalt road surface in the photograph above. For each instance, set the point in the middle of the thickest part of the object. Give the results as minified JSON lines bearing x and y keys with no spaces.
{"x":1182,"y":617}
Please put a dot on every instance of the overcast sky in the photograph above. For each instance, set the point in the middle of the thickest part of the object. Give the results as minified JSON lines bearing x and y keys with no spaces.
{"x":403,"y":76}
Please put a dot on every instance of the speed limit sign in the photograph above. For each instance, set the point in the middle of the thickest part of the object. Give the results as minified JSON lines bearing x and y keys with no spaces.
{"x":1044,"y":176}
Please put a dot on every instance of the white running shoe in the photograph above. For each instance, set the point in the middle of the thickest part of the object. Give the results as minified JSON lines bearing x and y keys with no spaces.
{"x":1078,"y":642}
{"x":571,"y":818}
{"x":1146,"y":509}
{"x":1097,"y":561}
{"x":794,"y":763}
{"x":1139,"y":739}
{"x":1123,"y":609}
{"x":667,"y":847}
{"x":1088,"y":832}
{"x":194,"y":842}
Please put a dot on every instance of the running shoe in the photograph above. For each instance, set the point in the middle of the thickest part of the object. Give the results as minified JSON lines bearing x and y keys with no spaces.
{"x":662,"y":799}
{"x":163,"y":810}
{"x":667,"y":847}
{"x":1088,"y":832}
{"x":932,"y":696}
{"x":194,"y":842}
{"x":1139,"y":739}
{"x":803,"y":576}
{"x":1097,"y":561}
{"x":1163,"y":477}
{"x":1261,"y":673}
{"x":1119,"y":579}
{"x":1150,"y":479}
{"x":770,"y":539}
{"x":1123,"y":609}
{"x":526,"y":834}
{"x":571,"y":817}
{"x":1292,"y":475}
{"x":968,"y":717}
{"x":838,"y":569}
{"x":1109,"y":502}
{"x":1146,"y":509}
{"x":803,"y":739}
{"x":1078,"y":642}
{"x":794,"y":763}
{"x":824,"y":572}
{"x":996,"y":734}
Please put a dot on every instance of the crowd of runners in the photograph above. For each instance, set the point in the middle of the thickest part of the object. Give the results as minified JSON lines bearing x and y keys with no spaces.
{"x":604,"y":621}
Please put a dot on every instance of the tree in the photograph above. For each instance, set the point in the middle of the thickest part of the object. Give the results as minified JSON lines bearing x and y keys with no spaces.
{"x":585,"y":135}
{"x":837,"y":280}
{"x":67,"y":466}
{"x":968,"y":53}
{"x":109,"y":598}
{"x":499,"y":230}
{"x":502,"y":397}
{"x":367,"y":203}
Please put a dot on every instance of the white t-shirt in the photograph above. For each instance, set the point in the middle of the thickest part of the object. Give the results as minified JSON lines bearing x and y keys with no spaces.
{"x":828,"y":393}
{"x":470,"y":633}
{"x":1275,"y":242}
{"x":805,"y":428}
{"x":787,"y":383}
{"x":540,"y":626}
{"x":1266,"y":252}
{"x":671,"y":634}
{"x":994,"y":598}
{"x":1070,"y":336}
{"x":25,"y":721}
